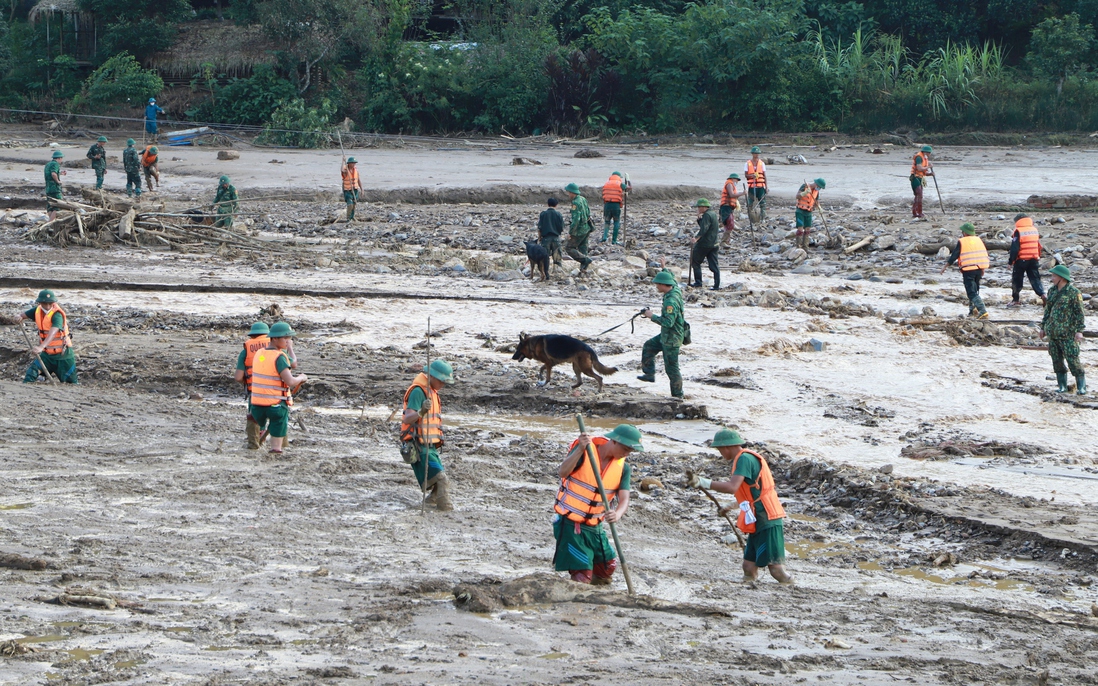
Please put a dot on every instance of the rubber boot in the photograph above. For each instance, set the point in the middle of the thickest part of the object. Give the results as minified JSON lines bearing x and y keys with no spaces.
{"x":1062,"y":383}
{"x":605,"y":232}
{"x":252,"y":429}
{"x":442,"y":493}
{"x":1081,"y":384}
{"x":617,"y":228}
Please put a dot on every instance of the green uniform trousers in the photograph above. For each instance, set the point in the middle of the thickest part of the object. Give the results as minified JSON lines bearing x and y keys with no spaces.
{"x":133,"y":182}
{"x":766,"y":547}
{"x":434,"y":465}
{"x":278,"y":416}
{"x":653,"y":347}
{"x":1065,"y":349}
{"x":577,"y":250}
{"x":611,"y":212}
{"x":64,"y":368}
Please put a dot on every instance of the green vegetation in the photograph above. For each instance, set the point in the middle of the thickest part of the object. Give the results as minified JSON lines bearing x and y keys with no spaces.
{"x":587,"y":67}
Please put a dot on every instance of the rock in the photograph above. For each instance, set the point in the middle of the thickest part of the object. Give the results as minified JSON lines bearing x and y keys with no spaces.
{"x":1059,"y":220}
{"x":885,"y":469}
{"x":943,"y":253}
{"x":771,"y":298}
{"x":518,"y":161}
{"x":836,"y":643}
{"x":508,"y":275}
{"x":730,"y":539}
{"x":323,"y":262}
{"x":587,"y":153}
{"x":467,"y":220}
{"x":505,"y":239}
{"x":453,"y":262}
{"x":929,"y":311}
{"x":458,"y":268}
{"x":658,"y":232}
{"x":814,"y":345}
{"x":228,"y":155}
{"x":804,"y":269}
{"x":393,"y":216}
{"x":1094,"y":609}
{"x":854,"y":277}
{"x":196,"y":396}
{"x":400,"y":236}
{"x":885,"y":242}
{"x":632,"y":261}
{"x":795,"y":254}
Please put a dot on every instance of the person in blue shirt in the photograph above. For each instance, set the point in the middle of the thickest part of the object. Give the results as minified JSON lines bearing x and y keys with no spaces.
{"x":150,"y":118}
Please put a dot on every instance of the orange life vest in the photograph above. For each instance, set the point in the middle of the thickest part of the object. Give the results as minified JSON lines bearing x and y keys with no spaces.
{"x":756,"y":174}
{"x":267,"y":387}
{"x":726,"y":197}
{"x":251,"y":347}
{"x":1029,"y":241}
{"x":430,"y":426}
{"x":919,"y":158}
{"x":350,"y":178}
{"x":973,"y":254}
{"x":768,"y":496}
{"x":44,"y":320}
{"x":611,"y":190}
{"x":808,"y":200}
{"x":578,"y":498}
{"x":147,"y":158}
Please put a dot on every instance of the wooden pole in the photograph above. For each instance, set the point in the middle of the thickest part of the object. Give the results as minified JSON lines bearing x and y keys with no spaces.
{"x":36,"y":355}
{"x":606,"y":505}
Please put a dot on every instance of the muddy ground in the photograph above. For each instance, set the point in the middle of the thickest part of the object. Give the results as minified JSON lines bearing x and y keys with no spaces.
{"x":942,"y":505}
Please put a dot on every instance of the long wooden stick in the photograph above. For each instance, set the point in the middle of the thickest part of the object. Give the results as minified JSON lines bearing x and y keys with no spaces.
{"x":739,"y":537}
{"x":935,"y":177}
{"x":624,"y":208}
{"x":426,"y":445}
{"x":39,"y":357}
{"x":606,"y":505}
{"x":818,"y":206}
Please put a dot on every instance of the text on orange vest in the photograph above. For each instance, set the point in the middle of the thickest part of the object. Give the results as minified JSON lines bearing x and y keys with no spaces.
{"x":1029,"y":241}
{"x":251,"y":347}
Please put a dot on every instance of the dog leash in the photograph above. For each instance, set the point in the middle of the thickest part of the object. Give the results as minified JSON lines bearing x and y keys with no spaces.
{"x":632,"y":327}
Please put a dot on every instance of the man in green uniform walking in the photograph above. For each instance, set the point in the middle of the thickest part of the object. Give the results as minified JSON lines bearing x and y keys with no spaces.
{"x":421,"y":432}
{"x":225,"y":202}
{"x":582,"y":547}
{"x":705,"y":245}
{"x":98,"y":155}
{"x":579,"y":227}
{"x":550,"y":227}
{"x":54,"y":343}
{"x":672,"y":333}
{"x":808,"y":195}
{"x":131,"y":162}
{"x":613,"y":196}
{"x":53,"y":183}
{"x":760,"y":513}
{"x":272,"y":384}
{"x":1063,"y":325}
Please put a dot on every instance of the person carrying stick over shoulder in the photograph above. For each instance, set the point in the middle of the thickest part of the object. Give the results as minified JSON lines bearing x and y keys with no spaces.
{"x":760,"y":513}
{"x":583,"y":549}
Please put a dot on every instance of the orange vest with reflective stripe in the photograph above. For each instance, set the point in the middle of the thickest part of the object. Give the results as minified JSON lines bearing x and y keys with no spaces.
{"x":973,"y":254}
{"x":611,"y":190}
{"x":251,"y":347}
{"x":726,"y":197}
{"x":430,"y":426}
{"x":147,"y":158}
{"x":919,"y":158}
{"x":350,"y":178}
{"x":578,"y":498}
{"x":44,"y":320}
{"x":808,"y":201}
{"x":267,"y":387}
{"x":1029,"y":241}
{"x":768,"y":496}
{"x":756,"y":174}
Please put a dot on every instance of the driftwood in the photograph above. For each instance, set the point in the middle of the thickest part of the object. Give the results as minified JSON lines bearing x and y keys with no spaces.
{"x":859,"y":245}
{"x":14,"y":561}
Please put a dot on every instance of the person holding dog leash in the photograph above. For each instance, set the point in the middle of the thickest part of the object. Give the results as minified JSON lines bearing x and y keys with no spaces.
{"x":674,"y":332}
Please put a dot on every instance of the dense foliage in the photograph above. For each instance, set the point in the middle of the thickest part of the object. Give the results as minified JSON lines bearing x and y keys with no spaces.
{"x":595,"y":67}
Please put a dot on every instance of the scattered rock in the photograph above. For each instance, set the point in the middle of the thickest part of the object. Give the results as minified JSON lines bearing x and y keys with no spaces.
{"x":588,"y":153}
{"x":228,"y":155}
{"x":885,"y":469}
{"x":813,"y":345}
{"x":518,"y":161}
{"x":837,"y":643}
{"x":508,"y":275}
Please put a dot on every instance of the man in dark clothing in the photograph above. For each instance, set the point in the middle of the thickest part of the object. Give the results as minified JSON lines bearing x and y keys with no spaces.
{"x":705,"y":245}
{"x":1025,"y":257}
{"x":971,"y":256}
{"x":550,"y":227}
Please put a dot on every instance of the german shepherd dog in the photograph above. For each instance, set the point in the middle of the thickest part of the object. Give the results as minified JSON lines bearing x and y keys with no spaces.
{"x":539,"y":259}
{"x":552,"y":350}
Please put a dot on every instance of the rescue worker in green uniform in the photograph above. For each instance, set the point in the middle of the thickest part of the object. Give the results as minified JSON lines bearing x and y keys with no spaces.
{"x":673,"y":332}
{"x":225,"y":202}
{"x":421,"y":432}
{"x":920,"y":169}
{"x":579,"y":227}
{"x":98,"y":155}
{"x":808,"y":195}
{"x":760,"y":513}
{"x":550,"y":227}
{"x":582,"y":547}
{"x":272,"y":385}
{"x":613,"y":195}
{"x":730,"y":195}
{"x":259,"y":337}
{"x":53,"y":175}
{"x":704,"y":245}
{"x":131,"y":162}
{"x":54,"y":342}
{"x":754,"y":172}
{"x":971,"y":256}
{"x":352,"y":186}
{"x":1063,"y":326}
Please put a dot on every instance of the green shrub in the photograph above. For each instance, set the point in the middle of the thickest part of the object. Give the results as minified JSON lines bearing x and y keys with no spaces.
{"x":120,"y":80}
{"x":294,"y":124}
{"x":246,"y":101}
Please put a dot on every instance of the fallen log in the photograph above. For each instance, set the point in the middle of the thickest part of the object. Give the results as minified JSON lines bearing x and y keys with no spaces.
{"x":14,"y":561}
{"x":859,"y":245}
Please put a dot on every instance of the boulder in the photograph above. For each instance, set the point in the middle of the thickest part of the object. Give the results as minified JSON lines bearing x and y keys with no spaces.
{"x":228,"y":155}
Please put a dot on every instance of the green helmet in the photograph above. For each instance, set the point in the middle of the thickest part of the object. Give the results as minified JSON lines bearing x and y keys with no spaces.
{"x":628,"y":435}
{"x":734,"y":176}
{"x":57,"y":154}
{"x":259,"y":329}
{"x":351,"y":160}
{"x":968,"y":229}
{"x":665,"y":278}
{"x":726,"y":437}
{"x":701,"y":202}
{"x":1060,"y":270}
{"x":617,"y":174}
{"x":1019,"y":217}
{"x":101,"y":139}
{"x":755,"y":150}
{"x":46,"y":296}
{"x":223,"y":180}
{"x":154,"y":150}
{"x":820,"y":183}
{"x":927,"y":148}
{"x":441,"y":370}
{"x":282,"y":330}
{"x":130,"y":142}
{"x":572,"y":188}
